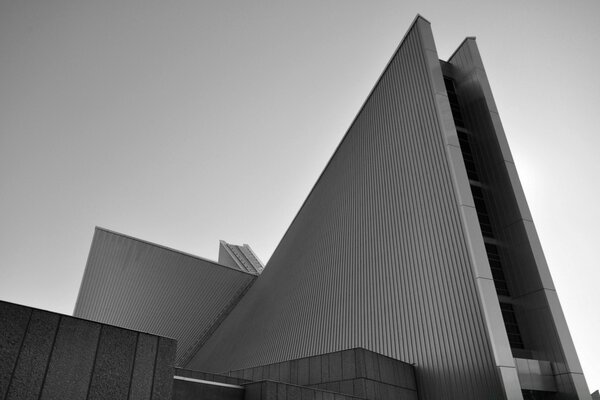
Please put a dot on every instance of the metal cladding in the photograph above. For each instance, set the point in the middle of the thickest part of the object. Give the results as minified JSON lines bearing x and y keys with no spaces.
{"x":145,"y":287}
{"x":377,"y":256}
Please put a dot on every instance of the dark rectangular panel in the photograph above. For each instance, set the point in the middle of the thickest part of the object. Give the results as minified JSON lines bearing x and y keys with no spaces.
{"x":284,"y":371}
{"x":257,"y":374}
{"x":293,"y":393}
{"x":294,"y":371}
{"x":253,"y":391}
{"x":315,"y":374}
{"x":307,"y":394}
{"x":13,"y":320}
{"x":372,"y":366}
{"x":143,"y":368}
{"x":281,"y":392}
{"x":324,"y":368}
{"x":72,"y":359}
{"x":335,"y":366}
{"x":163,"y":369}
{"x":348,"y":364}
{"x":360,"y":362}
{"x":269,"y":391}
{"x":303,"y":372}
{"x":359,"y":387}
{"x":347,"y":387}
{"x":273,"y":372}
{"x":114,"y":363}
{"x":35,"y":353}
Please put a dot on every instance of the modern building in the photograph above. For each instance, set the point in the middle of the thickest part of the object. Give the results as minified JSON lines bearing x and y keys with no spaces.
{"x":415,"y":248}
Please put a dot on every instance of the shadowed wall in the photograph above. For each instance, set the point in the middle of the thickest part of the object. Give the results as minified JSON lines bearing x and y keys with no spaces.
{"x":46,"y":355}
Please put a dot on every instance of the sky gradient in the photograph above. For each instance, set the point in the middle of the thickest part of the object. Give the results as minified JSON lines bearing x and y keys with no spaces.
{"x":186,"y":122}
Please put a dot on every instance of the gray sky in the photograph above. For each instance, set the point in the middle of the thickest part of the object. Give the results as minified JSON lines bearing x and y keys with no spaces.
{"x":185,"y":122}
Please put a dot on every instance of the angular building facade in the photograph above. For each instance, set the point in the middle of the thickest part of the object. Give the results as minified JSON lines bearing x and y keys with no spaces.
{"x":415,"y":243}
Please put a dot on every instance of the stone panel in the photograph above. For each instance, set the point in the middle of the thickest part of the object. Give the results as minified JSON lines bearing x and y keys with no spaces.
{"x":347,"y":387}
{"x":294,"y":371}
{"x":360,"y":362}
{"x":274,"y":372}
{"x":72,"y":360}
{"x":324,"y":368}
{"x":253,"y":391}
{"x":35,"y":353}
{"x":13,"y":320}
{"x":293,"y":393}
{"x":335,"y":366}
{"x":307,"y":394}
{"x":303,"y":371}
{"x":314,"y":370}
{"x":284,"y":371}
{"x":163,"y":369}
{"x":281,"y":392}
{"x":269,"y":391}
{"x":359,"y":388}
{"x":114,"y":364}
{"x":372,"y":366}
{"x":348,"y":364}
{"x":141,"y":379}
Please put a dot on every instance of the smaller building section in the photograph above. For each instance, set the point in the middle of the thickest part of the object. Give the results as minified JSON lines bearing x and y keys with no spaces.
{"x":355,"y":372}
{"x":146,"y":287}
{"x":241,"y":257}
{"x":44,"y":355}
{"x":342,"y":375}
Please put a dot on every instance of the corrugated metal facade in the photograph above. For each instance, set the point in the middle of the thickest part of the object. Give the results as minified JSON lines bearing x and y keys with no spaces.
{"x":138,"y":285}
{"x":377,"y":257}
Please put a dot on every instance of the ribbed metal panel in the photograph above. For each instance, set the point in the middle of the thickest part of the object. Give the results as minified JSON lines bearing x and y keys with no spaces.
{"x":145,"y":287}
{"x":377,"y":256}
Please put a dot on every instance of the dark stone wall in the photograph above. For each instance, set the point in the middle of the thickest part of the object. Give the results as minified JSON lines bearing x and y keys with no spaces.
{"x":355,"y":372}
{"x":45,"y":356}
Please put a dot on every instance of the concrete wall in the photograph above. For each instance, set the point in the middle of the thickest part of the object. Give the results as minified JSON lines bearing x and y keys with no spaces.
{"x":269,"y":390}
{"x":45,"y":355}
{"x":354,"y":372}
{"x":192,"y":390}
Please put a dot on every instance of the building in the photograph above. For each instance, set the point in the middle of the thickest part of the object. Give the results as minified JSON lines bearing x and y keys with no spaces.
{"x":415,"y":248}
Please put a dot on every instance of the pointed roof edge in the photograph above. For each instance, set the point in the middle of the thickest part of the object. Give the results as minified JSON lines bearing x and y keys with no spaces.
{"x":412,"y":25}
{"x":262,"y":264}
{"x":473,"y":38}
{"x":160,"y":246}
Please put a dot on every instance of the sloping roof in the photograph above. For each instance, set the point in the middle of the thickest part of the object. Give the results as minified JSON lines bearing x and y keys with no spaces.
{"x":139,"y":285}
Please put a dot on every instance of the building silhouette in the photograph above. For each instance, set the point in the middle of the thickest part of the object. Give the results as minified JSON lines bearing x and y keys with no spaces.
{"x":416,"y":244}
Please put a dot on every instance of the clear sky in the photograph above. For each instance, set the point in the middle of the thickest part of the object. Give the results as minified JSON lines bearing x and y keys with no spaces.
{"x":185,"y":122}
